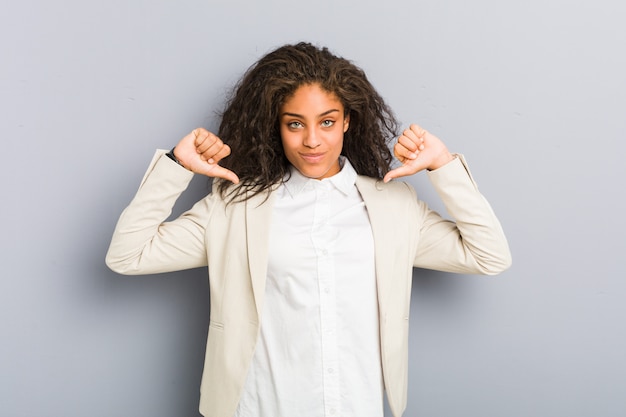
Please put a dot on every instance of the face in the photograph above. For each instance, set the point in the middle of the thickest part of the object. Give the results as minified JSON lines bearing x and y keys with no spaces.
{"x":312,"y":124}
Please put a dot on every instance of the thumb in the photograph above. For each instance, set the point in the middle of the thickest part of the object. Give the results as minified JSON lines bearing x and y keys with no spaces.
{"x":404,"y":171}
{"x":216,"y":171}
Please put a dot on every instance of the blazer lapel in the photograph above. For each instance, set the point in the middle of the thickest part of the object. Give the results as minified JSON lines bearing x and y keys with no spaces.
{"x":373,"y":195}
{"x":258,"y":220}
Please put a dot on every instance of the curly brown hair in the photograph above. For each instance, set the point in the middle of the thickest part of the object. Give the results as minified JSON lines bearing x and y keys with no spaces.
{"x":250,"y":121}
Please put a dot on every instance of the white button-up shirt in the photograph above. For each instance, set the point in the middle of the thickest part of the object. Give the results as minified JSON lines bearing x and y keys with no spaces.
{"x":318,"y":354}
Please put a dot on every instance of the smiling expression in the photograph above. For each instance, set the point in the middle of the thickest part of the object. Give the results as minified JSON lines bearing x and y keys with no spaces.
{"x":312,"y":124}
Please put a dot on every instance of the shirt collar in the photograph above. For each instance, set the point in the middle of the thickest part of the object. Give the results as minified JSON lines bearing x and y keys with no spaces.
{"x":344,"y":180}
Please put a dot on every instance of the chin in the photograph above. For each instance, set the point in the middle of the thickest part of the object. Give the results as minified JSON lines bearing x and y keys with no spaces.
{"x":312,"y":173}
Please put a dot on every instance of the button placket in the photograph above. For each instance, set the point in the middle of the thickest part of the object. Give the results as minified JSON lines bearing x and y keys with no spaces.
{"x":322,"y":236}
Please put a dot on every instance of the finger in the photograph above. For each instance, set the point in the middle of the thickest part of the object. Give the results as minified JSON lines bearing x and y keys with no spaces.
{"x":421,"y":134}
{"x":409,"y":147}
{"x":409,"y":141}
{"x":412,"y":145}
{"x":402,"y":153}
{"x":200,"y":135}
{"x":221,"y":153}
{"x":213,"y":152}
{"x":418,"y":130}
{"x":207,"y":141}
{"x":410,"y":136}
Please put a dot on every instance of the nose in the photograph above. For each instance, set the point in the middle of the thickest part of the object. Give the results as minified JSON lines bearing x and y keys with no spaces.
{"x":311,"y":139}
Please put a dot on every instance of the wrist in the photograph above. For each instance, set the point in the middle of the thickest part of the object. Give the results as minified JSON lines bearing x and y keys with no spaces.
{"x":172,"y":156}
{"x":441,"y":160}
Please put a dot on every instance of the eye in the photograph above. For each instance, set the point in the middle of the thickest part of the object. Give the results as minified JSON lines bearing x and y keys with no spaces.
{"x":328,"y":123}
{"x":294,"y":125}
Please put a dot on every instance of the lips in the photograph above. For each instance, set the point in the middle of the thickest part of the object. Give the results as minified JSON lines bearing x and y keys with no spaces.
{"x":312,"y":158}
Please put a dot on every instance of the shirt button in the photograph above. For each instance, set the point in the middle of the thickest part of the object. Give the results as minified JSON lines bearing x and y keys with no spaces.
{"x":327,"y":290}
{"x":324,"y":252}
{"x":330,"y":370}
{"x":332,"y":411}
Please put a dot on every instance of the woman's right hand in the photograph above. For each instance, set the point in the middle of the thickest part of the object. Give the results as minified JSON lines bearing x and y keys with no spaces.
{"x":200,"y":152}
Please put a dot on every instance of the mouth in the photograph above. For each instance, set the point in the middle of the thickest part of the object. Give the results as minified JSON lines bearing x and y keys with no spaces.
{"x":312,"y":157}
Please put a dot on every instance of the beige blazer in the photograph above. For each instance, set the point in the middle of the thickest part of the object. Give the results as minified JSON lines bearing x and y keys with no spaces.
{"x":232,"y":241}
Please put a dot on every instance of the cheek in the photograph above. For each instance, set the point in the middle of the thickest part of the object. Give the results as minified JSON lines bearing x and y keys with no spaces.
{"x":338,"y":142}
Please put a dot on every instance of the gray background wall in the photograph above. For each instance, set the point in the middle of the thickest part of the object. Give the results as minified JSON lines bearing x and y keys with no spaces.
{"x":533,"y":93}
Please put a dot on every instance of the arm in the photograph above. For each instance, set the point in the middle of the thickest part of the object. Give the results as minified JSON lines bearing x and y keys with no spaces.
{"x":474,"y":242}
{"x":143,"y":242}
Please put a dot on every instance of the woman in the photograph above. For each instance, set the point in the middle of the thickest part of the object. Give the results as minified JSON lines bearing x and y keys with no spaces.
{"x":309,"y":244}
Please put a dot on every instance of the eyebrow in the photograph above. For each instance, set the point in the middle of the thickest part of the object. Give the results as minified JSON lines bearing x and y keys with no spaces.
{"x":326,"y":113}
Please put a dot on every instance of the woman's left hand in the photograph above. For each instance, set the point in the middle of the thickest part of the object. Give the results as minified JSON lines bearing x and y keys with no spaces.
{"x":418,"y":149}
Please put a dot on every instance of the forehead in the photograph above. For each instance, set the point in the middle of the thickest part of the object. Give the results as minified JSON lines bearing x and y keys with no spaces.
{"x":311,"y":98}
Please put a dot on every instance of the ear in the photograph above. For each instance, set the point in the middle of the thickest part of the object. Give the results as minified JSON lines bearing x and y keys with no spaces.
{"x":346,"y":123}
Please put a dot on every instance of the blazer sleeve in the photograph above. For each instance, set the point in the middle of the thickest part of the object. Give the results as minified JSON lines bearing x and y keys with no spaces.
{"x":474,"y":242}
{"x":143,"y":241}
